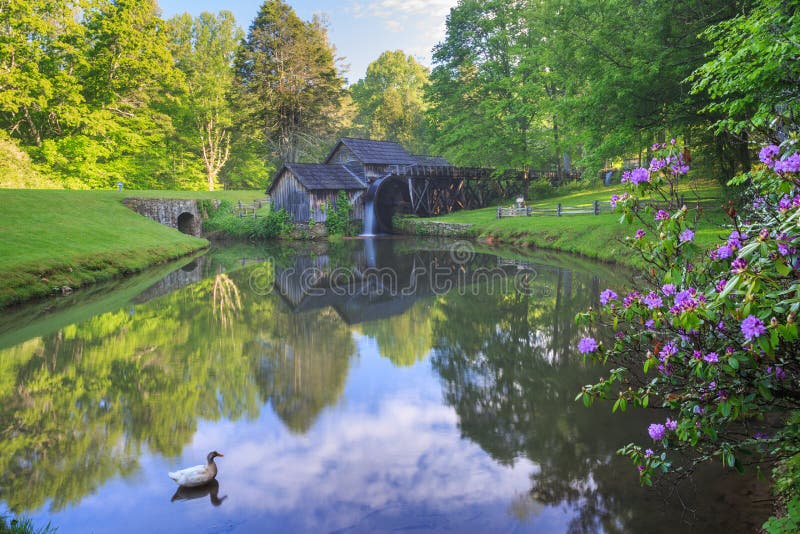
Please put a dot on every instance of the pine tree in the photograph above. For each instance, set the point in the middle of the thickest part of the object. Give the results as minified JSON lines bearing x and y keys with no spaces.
{"x":287,"y":85}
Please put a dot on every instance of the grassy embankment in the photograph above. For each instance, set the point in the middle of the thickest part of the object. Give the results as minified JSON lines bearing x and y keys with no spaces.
{"x":56,"y":238}
{"x":594,"y":236}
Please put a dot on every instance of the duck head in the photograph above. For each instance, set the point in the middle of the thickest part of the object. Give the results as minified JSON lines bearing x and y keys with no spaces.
{"x":212,"y":455}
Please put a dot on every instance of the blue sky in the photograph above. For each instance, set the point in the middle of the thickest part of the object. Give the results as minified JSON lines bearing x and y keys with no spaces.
{"x":360,"y":29}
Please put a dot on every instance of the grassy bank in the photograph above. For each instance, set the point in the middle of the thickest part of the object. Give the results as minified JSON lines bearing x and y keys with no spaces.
{"x":56,"y":238}
{"x":600,"y":237}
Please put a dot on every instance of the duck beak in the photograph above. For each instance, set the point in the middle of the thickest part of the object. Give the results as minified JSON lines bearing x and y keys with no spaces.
{"x":220,"y":454}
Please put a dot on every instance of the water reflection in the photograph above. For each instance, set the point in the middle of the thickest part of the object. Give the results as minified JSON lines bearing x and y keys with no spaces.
{"x":210,"y":490}
{"x":347,"y":400}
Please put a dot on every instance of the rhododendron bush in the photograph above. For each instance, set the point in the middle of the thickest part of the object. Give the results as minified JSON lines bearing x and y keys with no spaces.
{"x":710,"y":335}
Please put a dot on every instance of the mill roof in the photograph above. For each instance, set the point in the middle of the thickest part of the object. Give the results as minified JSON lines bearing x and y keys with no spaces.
{"x":369,"y":151}
{"x":315,"y":176}
{"x":432,"y":161}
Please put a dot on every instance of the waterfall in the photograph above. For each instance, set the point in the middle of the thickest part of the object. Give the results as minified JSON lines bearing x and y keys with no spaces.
{"x":607,"y":180}
{"x":369,"y":219}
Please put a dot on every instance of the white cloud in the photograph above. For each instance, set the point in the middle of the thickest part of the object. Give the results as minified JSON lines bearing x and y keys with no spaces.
{"x":404,"y":456}
{"x":424,"y":19}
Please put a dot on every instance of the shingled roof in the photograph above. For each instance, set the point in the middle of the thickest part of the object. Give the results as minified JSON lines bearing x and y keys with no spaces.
{"x":432,"y":161}
{"x":376,"y":152}
{"x":315,"y":176}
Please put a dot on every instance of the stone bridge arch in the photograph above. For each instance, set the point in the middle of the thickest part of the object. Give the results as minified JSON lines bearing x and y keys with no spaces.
{"x":183,"y":215}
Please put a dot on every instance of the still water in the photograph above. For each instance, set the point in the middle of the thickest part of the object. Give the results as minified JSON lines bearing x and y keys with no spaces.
{"x":369,"y":386}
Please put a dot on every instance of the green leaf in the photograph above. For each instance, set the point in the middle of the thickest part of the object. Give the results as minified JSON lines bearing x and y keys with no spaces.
{"x":730,"y":286}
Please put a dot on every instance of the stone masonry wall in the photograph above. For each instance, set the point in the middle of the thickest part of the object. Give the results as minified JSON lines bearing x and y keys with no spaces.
{"x":167,"y":212}
{"x":427,"y":227}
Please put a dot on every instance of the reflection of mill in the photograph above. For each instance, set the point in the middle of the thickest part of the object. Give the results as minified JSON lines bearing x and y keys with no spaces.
{"x":377,"y":282}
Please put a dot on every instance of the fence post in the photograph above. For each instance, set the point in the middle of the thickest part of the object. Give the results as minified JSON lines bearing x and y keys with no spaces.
{"x":558,"y":210}
{"x":499,"y":212}
{"x":597,"y":207}
{"x":528,"y":211}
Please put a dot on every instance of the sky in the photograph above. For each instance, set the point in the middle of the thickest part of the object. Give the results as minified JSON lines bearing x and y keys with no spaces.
{"x":360,"y":29}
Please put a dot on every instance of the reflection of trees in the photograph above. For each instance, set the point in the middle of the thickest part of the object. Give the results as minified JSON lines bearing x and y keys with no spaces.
{"x":78,"y":407}
{"x":504,"y":361}
{"x":307,"y":368}
{"x":405,"y":339}
{"x":504,"y":364}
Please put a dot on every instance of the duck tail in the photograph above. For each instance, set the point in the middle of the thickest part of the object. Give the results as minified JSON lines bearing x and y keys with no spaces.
{"x":174,"y":476}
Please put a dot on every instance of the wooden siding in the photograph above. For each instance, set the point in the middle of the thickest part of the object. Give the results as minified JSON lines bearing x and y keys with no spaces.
{"x":342,"y":155}
{"x":290,"y":195}
{"x":302,"y":204}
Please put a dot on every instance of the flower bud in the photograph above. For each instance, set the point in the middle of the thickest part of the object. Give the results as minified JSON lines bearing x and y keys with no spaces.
{"x":773,"y":322}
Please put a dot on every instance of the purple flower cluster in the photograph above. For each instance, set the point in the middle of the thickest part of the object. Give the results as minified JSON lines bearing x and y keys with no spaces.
{"x":640,"y":233}
{"x":686,"y":236}
{"x":639,"y":175}
{"x":779,"y":373}
{"x":686,"y":300}
{"x":657,"y":431}
{"x":669,"y":349}
{"x":752,"y":327}
{"x":653,"y":300}
{"x":656,"y":164}
{"x":721,"y":252}
{"x":671,"y":425}
{"x":662,"y":215}
{"x":784,"y":248}
{"x":630,"y":298}
{"x":614,"y":200}
{"x":790,"y":164}
{"x":587,"y":345}
{"x":711,"y":357}
{"x":738,"y":266}
{"x":768,"y":157}
{"x":607,"y":296}
{"x":668,"y":290}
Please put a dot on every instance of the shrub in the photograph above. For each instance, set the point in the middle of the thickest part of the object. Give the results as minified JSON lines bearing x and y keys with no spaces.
{"x":340,"y":219}
{"x":715,"y":335}
{"x":270,"y":226}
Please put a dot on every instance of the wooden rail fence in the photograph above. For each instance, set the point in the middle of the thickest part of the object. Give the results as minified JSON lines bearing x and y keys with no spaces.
{"x":596,"y":208}
{"x":247,"y":210}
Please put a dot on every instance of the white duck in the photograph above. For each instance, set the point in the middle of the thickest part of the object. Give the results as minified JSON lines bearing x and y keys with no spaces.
{"x":197,"y":475}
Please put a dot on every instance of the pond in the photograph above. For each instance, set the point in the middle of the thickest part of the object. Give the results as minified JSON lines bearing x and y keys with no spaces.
{"x":366,"y":386}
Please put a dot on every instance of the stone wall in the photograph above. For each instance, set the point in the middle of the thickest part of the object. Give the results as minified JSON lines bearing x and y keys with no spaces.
{"x":183,"y":215}
{"x":428,"y":227}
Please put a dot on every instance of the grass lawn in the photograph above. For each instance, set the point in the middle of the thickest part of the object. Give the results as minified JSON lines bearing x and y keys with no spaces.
{"x":55,"y":238}
{"x":595,"y":236}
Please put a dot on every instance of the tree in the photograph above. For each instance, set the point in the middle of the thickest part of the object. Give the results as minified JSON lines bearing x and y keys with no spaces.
{"x":204,"y":49}
{"x":483,"y":106}
{"x":286,"y":82}
{"x":753,"y":75}
{"x":390,"y":101}
{"x":40,"y":56}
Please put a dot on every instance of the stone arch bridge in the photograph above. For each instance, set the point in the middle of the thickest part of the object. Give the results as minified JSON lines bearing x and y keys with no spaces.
{"x":183,"y":215}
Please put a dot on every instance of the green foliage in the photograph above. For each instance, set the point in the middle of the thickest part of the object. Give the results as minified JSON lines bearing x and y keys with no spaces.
{"x":788,"y":523}
{"x":286,"y":84}
{"x":339,"y":219}
{"x":390,"y":101}
{"x":522,"y":84}
{"x":265,"y":227}
{"x":717,"y":331}
{"x":17,"y":171}
{"x":203,"y":49}
{"x":23,"y":526}
{"x":753,"y":73}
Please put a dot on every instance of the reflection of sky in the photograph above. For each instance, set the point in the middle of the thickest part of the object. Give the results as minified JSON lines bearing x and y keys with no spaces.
{"x":388,"y":456}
